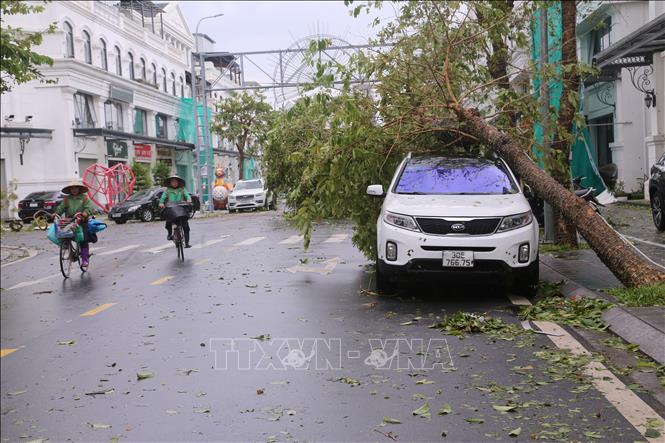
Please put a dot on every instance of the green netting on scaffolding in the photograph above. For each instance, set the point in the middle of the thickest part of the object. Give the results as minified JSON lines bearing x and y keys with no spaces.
{"x":187,"y":133}
{"x":583,"y":161}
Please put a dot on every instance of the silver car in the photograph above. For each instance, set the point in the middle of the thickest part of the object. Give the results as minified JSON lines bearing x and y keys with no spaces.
{"x":250,"y":194}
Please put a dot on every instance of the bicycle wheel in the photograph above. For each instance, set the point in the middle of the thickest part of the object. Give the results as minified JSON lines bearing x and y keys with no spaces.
{"x":178,"y":237}
{"x":65,"y":258}
{"x":78,"y":257}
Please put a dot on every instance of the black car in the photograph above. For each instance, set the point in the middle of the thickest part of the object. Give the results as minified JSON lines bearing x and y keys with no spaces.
{"x":39,"y":201}
{"x":657,"y":193}
{"x":144,"y":205}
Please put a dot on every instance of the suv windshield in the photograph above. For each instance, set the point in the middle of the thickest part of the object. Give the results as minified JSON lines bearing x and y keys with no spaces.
{"x":250,"y":184}
{"x":140,"y":195}
{"x":454,"y":176}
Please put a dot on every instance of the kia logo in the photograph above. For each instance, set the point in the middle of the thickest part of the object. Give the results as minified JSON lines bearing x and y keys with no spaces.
{"x":458,"y":227}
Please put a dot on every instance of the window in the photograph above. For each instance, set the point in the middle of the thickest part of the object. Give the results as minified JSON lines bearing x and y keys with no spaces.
{"x":601,"y":35}
{"x":182,"y":87}
{"x":113,"y":116}
{"x":118,"y":61}
{"x":140,"y":122}
{"x":154,"y":74}
{"x":602,"y":134}
{"x":173,"y":84}
{"x":164,"y":80}
{"x":87,"y":48}
{"x":143,"y":73}
{"x":69,"y":39}
{"x":160,"y":126}
{"x":105,"y":62}
{"x":84,"y":111}
{"x":454,"y":176}
{"x":131,"y":66}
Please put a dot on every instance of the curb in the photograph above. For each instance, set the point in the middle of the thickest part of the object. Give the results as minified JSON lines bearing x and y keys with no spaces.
{"x":620,"y":320}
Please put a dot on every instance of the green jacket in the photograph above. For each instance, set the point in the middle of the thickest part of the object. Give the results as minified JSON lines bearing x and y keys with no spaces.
{"x":73,"y":204}
{"x":174,"y":196}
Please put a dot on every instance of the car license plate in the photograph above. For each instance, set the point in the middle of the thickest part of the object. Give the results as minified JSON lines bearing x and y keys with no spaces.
{"x":117,"y":215}
{"x":34,"y":205}
{"x":458,"y":259}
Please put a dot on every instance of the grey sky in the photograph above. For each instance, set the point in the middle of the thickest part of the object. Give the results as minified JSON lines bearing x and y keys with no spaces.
{"x":267,"y":25}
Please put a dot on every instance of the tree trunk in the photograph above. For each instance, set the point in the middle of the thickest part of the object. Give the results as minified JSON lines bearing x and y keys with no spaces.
{"x":241,"y":162}
{"x":558,"y":164}
{"x":619,"y":256}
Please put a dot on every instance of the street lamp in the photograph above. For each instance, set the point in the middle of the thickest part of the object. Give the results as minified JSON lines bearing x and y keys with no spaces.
{"x":199,"y":178}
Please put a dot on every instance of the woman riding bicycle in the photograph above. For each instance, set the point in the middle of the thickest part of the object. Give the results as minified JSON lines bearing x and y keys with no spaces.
{"x":175,"y":193}
{"x":77,"y":201}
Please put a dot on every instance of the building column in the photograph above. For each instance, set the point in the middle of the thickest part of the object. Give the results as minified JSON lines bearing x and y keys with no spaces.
{"x":654,"y":142}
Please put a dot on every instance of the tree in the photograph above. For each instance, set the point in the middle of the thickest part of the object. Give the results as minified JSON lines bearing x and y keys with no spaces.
{"x":436,"y":92}
{"x":244,"y":120}
{"x":160,"y":172}
{"x":141,"y":175}
{"x":20,"y":63}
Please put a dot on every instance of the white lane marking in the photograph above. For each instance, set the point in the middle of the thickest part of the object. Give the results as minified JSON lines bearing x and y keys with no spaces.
{"x":519,"y":300}
{"x":210,"y":242}
{"x":249,"y":241}
{"x":327,"y":269}
{"x":644,"y":241}
{"x":32,"y":282}
{"x":632,"y":407}
{"x":292,"y":240}
{"x":336,"y":238}
{"x":31,"y":253}
{"x":115,"y":251}
{"x":158,"y":249}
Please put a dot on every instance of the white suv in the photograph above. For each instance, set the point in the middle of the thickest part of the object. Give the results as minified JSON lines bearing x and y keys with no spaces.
{"x":457,"y":216}
{"x":250,"y":194}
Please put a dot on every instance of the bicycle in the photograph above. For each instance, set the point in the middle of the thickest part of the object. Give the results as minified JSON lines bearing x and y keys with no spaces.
{"x":176,"y":213}
{"x":69,"y":249}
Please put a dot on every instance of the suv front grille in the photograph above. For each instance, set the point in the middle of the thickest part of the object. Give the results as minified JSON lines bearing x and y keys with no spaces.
{"x":477,"y":226}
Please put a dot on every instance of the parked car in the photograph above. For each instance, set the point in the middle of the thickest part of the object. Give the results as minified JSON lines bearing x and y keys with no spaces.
{"x":39,"y":201}
{"x":144,"y":205}
{"x":657,"y":193}
{"x":250,"y":194}
{"x":456,"y":216}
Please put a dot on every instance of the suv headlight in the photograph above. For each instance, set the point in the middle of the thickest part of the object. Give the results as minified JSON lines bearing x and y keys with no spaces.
{"x":232,"y":197}
{"x":515,"y":221}
{"x":401,"y":221}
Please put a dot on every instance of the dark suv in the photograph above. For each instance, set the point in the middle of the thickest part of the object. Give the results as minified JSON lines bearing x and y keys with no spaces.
{"x":39,"y":201}
{"x":657,"y":193}
{"x":143,"y":205}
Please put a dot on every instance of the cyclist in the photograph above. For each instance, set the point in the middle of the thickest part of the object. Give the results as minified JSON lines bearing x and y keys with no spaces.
{"x":175,"y":193}
{"x":76,"y":200}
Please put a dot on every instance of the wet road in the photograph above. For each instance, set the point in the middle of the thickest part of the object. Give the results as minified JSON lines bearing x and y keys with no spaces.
{"x":254,"y":339}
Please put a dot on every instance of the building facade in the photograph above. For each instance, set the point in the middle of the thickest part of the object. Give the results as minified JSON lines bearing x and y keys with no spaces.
{"x":114,"y":94}
{"x":624,"y":107}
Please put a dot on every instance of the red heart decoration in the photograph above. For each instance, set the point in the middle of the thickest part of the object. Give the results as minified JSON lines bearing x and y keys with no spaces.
{"x":109,"y":186}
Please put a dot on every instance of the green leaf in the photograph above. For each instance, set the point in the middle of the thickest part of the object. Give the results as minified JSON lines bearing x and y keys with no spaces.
{"x":391,"y":421}
{"x":144,"y":375}
{"x":475,"y":420}
{"x":592,"y":434}
{"x":262,"y":337}
{"x":501,"y":408}
{"x":652,"y":433}
{"x":423,"y":411}
{"x":515,"y":432}
{"x":445,"y":410}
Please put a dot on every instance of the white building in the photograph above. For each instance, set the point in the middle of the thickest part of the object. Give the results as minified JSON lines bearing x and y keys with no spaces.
{"x":627,"y":40}
{"x":115,"y":93}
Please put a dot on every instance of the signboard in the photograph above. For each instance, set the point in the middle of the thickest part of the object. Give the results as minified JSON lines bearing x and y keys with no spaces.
{"x":116,"y":148}
{"x":121,"y":94}
{"x":142,"y":152}
{"x":163,"y":152}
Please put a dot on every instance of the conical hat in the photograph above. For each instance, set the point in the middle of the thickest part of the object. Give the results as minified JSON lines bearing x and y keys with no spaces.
{"x":75,"y":184}
{"x":167,"y":182}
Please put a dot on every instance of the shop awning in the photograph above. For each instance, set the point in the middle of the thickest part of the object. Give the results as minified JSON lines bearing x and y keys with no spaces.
{"x":110,"y":134}
{"x":635,"y":49}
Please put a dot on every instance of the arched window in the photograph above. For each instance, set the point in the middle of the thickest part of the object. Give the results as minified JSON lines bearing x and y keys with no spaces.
{"x":69,"y":37}
{"x":131,"y":65}
{"x":118,"y":61}
{"x":143,"y":73}
{"x":87,"y":48}
{"x":154,"y":74}
{"x":105,"y":62}
{"x":173,"y":84}
{"x":182,"y":87}
{"x":164,"y":80}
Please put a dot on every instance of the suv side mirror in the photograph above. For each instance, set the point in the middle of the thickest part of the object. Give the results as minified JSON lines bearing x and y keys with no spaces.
{"x":375,"y":190}
{"x":528,"y":192}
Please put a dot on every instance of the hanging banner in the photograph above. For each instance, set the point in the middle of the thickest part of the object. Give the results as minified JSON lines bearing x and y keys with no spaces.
{"x":143,"y":152}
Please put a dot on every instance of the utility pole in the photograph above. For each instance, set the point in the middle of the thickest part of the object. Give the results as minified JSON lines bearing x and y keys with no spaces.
{"x":548,"y":214}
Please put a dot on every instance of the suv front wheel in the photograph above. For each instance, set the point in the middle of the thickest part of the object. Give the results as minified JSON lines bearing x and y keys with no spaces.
{"x":384,"y":284}
{"x":526,"y":280}
{"x":658,"y":210}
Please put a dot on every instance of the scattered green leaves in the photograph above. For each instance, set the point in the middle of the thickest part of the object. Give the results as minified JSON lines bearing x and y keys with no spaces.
{"x":391,"y":421}
{"x":445,"y":410}
{"x":579,"y":312}
{"x":143,"y":375}
{"x":640,"y":296}
{"x":462,"y":323}
{"x":423,"y":411}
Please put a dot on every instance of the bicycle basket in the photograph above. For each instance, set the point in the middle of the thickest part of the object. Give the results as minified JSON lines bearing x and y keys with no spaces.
{"x":64,"y":229}
{"x":174,"y":212}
